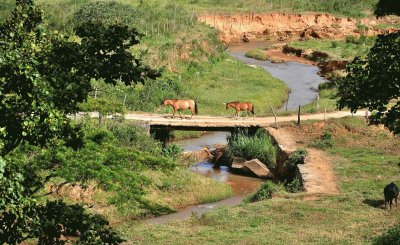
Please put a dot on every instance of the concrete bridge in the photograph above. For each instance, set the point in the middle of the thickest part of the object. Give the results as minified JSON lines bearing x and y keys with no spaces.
{"x":161,"y":124}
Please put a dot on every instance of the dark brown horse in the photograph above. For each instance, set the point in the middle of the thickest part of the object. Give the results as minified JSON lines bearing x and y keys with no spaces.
{"x":179,"y":105}
{"x":241,"y":106}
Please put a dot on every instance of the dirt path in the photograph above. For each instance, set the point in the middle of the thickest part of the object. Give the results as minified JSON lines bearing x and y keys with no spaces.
{"x":317,"y":173}
{"x":215,"y":121}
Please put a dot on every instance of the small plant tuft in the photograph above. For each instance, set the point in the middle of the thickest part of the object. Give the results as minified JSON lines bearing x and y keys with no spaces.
{"x":294,"y":159}
{"x":294,"y":186}
{"x":265,"y":192}
{"x":326,"y":141}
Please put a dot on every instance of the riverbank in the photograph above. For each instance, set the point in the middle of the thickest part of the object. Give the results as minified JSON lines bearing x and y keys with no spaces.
{"x":364,"y":159}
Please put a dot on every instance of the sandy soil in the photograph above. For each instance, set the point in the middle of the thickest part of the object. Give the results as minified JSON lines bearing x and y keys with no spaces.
{"x":319,"y":177}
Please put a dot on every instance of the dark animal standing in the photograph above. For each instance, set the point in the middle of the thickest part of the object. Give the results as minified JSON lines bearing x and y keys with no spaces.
{"x":179,"y":105}
{"x":241,"y":106}
{"x":391,"y":192}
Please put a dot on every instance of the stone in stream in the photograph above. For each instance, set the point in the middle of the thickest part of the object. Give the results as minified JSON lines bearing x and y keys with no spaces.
{"x":258,"y":168}
{"x":238,"y":163}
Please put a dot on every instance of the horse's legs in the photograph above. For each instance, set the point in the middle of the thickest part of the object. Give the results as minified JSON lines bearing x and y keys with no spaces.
{"x":180,"y":114}
{"x":173,"y":114}
{"x":191,"y":110}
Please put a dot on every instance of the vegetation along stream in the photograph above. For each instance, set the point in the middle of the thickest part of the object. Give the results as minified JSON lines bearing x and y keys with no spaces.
{"x":303,"y":81}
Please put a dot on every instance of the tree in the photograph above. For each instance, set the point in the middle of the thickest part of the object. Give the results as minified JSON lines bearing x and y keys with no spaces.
{"x":44,"y":76}
{"x":374,"y":82}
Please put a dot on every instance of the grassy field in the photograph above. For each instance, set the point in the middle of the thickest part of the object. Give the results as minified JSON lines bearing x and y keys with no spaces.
{"x":230,"y":80}
{"x":345,"y":49}
{"x":189,"y":52}
{"x":365,"y":159}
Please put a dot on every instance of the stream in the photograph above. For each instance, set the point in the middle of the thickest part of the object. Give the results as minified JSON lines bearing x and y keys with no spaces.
{"x":303,"y":81}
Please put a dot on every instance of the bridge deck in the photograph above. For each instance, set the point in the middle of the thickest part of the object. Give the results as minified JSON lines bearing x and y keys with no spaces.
{"x":204,"y":122}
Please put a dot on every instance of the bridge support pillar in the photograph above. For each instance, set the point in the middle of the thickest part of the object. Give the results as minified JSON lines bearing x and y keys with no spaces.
{"x":161,"y":134}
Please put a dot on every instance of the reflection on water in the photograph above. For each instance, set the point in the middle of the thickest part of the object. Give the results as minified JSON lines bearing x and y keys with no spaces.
{"x":207,"y":140}
{"x":240,"y":184}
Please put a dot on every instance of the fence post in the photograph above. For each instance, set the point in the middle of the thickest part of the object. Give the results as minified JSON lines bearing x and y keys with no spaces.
{"x":298,"y":117}
{"x":273,"y":112}
{"x":287,"y":101}
{"x":317,"y":94}
{"x":326,"y":102}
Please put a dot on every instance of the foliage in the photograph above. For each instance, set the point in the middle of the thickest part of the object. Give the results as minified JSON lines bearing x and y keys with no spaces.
{"x":22,"y":217}
{"x":326,"y":140}
{"x":103,"y":106}
{"x":295,"y":158}
{"x":258,"y":146}
{"x":392,"y":236}
{"x":387,"y":7}
{"x":43,"y":77}
{"x":172,"y":150}
{"x":366,"y":86}
{"x":294,"y":186}
{"x":265,"y":192}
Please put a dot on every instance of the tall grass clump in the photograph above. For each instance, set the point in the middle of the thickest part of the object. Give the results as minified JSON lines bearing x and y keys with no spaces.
{"x":392,"y":236}
{"x":259,"y":146}
{"x":265,"y":192}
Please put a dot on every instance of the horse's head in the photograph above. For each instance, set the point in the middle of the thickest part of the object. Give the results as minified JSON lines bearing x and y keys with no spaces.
{"x":164,"y":102}
{"x":226,"y":105}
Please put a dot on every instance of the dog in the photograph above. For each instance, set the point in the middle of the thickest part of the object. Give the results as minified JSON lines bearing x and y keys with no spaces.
{"x":391,"y":192}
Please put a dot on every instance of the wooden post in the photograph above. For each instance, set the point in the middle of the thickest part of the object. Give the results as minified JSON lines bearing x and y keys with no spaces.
{"x":287,"y":101}
{"x":273,"y":112}
{"x":95,"y":93}
{"x":298,"y":117}
{"x":317,"y":101}
{"x":326,"y":102}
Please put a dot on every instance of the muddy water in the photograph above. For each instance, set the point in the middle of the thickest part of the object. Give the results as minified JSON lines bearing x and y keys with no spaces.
{"x":241,"y":185}
{"x":302,"y":79}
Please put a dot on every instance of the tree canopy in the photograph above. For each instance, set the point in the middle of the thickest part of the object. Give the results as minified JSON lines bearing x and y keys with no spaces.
{"x":374,"y":82}
{"x":44,"y":76}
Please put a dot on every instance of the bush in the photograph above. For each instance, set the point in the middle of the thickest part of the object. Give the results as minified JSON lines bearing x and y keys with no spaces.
{"x":294,"y":186}
{"x":294,"y":159}
{"x":259,"y":146}
{"x":265,"y":192}
{"x":172,"y":151}
{"x":392,"y":236}
{"x":325,"y":141}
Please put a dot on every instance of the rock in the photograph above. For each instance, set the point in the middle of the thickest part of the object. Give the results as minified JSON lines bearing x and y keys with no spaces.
{"x":238,"y":163}
{"x":258,"y":168}
{"x":201,"y":155}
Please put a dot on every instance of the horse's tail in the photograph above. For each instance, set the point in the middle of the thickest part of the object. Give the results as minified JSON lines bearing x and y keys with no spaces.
{"x":195,"y":106}
{"x":252,"y":109}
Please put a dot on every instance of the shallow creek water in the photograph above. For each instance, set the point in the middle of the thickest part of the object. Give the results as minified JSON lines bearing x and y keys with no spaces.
{"x":303,"y":81}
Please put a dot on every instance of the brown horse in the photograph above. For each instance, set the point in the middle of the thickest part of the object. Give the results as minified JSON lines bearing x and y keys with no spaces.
{"x":179,"y":105}
{"x":241,"y":106}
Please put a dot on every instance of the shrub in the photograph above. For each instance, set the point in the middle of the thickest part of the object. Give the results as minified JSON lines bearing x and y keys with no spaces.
{"x":172,"y":151}
{"x":294,"y":186}
{"x":265,"y":192}
{"x":259,"y":146}
{"x":294,"y":159}
{"x":392,"y":236}
{"x":325,"y":141}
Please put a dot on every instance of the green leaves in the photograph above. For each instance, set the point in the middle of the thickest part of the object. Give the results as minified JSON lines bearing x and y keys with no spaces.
{"x":375,"y":82}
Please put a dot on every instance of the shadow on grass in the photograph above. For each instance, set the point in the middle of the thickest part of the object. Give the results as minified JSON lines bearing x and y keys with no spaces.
{"x":375,"y":203}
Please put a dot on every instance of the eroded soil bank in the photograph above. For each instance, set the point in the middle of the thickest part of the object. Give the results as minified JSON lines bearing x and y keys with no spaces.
{"x":283,"y":26}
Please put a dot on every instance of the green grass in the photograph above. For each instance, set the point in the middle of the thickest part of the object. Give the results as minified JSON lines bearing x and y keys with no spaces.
{"x":230,"y":80}
{"x":337,"y":49}
{"x":364,"y":158}
{"x":259,"y":146}
{"x":258,"y":54}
